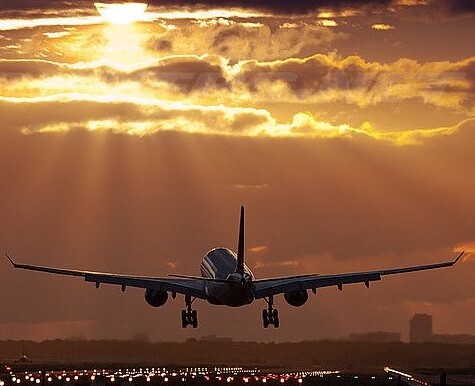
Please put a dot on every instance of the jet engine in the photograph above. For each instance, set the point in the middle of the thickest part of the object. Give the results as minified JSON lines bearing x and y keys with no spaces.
{"x":296,"y":298}
{"x":156,"y":298}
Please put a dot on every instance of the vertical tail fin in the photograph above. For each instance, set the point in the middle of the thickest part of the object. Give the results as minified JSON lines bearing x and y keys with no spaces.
{"x":240,"y":251}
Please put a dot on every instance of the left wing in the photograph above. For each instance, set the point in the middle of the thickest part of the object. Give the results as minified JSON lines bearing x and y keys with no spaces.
{"x":192,"y":287}
{"x":268,"y":287}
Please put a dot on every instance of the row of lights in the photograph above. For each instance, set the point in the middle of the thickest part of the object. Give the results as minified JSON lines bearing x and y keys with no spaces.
{"x":214,"y":373}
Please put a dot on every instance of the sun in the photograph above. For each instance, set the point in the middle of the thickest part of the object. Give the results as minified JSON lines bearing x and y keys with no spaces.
{"x":121,"y":13}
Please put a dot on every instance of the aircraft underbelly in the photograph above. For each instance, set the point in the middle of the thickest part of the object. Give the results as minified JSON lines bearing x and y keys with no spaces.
{"x":226,"y":295}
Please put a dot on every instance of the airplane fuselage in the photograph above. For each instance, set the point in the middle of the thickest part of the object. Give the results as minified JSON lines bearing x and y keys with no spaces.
{"x":220,"y":263}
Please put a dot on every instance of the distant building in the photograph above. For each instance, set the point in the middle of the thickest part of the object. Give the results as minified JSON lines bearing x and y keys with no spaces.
{"x":420,"y":328}
{"x":376,"y":337}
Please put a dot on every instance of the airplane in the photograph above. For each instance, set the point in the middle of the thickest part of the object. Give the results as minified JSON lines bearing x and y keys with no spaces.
{"x":227,"y":281}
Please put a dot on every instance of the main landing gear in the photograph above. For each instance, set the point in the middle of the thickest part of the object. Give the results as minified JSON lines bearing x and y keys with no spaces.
{"x":270,"y":315}
{"x":189,"y":316}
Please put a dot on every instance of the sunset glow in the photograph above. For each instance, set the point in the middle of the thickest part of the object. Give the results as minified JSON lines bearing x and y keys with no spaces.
{"x":131,"y":132}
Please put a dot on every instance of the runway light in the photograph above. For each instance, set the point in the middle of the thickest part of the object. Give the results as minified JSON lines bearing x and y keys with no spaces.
{"x":300,"y":380}
{"x":282,"y":380}
{"x":38,"y":380}
{"x":49,"y":379}
{"x":165,"y":379}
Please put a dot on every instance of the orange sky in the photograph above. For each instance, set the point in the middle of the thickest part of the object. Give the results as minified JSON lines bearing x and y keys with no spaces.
{"x":347,"y":132}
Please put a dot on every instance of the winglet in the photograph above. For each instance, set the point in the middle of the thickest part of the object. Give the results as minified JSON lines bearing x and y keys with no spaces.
{"x":11,"y":260}
{"x":458,"y":257}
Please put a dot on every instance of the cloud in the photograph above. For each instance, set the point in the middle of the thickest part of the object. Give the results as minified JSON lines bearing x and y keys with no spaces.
{"x":315,"y":79}
{"x":461,"y":6}
{"x":249,"y":186}
{"x":258,"y":249}
{"x":280,"y":6}
{"x":325,"y":78}
{"x":243,"y":40}
{"x":139,"y":117}
{"x":382,"y":27}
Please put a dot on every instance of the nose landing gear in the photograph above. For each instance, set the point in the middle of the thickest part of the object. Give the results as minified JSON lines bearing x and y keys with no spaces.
{"x":270,"y":315}
{"x":189,"y":316}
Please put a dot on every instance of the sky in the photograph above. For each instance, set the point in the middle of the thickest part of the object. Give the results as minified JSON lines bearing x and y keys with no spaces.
{"x":130,"y":137}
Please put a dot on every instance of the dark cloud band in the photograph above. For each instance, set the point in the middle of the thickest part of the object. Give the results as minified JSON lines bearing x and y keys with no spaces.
{"x":281,"y":6}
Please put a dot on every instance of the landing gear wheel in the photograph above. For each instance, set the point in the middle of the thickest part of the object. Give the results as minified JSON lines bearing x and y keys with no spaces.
{"x":184,"y":318}
{"x":275,"y":317}
{"x":270,"y":315}
{"x":265,"y":318}
{"x":189,"y":316}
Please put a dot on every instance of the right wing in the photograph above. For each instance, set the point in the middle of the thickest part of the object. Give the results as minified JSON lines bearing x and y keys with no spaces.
{"x":185,"y":286}
{"x":269,"y":287}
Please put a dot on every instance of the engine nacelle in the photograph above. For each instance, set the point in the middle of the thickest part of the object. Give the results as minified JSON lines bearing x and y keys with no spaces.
{"x":156,"y":298}
{"x":296,"y":298}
